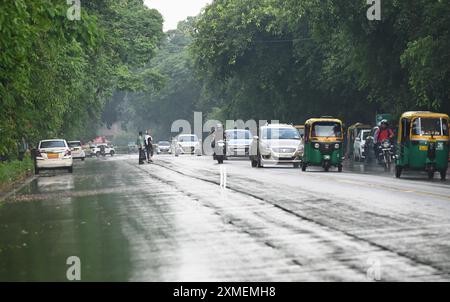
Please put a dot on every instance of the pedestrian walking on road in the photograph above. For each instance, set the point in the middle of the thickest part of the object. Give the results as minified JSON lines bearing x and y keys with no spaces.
{"x":140,"y":142}
{"x":149,"y":145}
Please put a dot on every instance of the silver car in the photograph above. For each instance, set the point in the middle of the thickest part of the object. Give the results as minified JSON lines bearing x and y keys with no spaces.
{"x":277,"y":144}
{"x":238,"y":142}
{"x":163,"y":147}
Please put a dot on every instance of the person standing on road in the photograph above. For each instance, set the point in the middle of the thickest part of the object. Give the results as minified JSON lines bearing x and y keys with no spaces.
{"x":140,"y":142}
{"x":149,"y":145}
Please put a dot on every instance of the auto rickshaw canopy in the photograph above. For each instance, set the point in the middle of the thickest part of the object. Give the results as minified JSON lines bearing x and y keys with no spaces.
{"x":312,"y":121}
{"x":412,"y":115}
{"x":352,"y":132}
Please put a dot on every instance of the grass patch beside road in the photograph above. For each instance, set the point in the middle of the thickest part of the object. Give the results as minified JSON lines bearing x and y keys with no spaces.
{"x":11,"y":172}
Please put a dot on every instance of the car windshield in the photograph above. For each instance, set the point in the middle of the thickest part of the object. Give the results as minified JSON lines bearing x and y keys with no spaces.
{"x":74,"y":144}
{"x":239,"y":134}
{"x":187,"y":138}
{"x":53,"y":144}
{"x":164,"y":144}
{"x":326,"y":129}
{"x":430,"y":126}
{"x":280,"y":133}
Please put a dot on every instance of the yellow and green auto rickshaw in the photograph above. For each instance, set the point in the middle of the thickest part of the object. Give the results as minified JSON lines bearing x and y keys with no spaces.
{"x":324,"y":139}
{"x":352,"y":134}
{"x":423,"y":143}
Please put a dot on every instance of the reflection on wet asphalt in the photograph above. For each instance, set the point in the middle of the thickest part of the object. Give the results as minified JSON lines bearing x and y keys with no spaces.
{"x":171,"y":221}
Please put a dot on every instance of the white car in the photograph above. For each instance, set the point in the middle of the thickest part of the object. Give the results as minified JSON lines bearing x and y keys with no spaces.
{"x":359,"y":146}
{"x":163,"y":147}
{"x":238,"y":142}
{"x":96,"y":150}
{"x":187,"y":144}
{"x":277,"y":144}
{"x":77,"y":150}
{"x":53,"y":154}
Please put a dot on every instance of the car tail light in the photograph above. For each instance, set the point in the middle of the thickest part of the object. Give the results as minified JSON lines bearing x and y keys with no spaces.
{"x":38,"y":153}
{"x":68,"y":153}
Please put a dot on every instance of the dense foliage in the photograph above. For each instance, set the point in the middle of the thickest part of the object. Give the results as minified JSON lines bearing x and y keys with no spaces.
{"x":239,"y":59}
{"x":57,"y":75}
{"x":177,"y":96}
{"x":291,"y":59}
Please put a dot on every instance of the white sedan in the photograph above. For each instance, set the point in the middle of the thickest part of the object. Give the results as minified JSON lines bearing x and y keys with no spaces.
{"x":359,"y":147}
{"x":77,"y":150}
{"x":53,"y":154}
{"x":187,"y":144}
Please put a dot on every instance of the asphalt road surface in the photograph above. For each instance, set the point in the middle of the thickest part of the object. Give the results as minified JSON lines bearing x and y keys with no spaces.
{"x":173,"y":221}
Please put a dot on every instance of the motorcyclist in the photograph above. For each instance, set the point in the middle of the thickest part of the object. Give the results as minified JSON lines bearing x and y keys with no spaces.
{"x":384,"y":132}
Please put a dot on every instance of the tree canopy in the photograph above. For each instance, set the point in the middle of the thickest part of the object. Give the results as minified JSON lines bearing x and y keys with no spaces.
{"x":57,"y":75}
{"x":290,"y":59}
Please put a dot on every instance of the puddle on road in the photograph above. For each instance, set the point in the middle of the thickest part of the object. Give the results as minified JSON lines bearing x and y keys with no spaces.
{"x":65,"y":215}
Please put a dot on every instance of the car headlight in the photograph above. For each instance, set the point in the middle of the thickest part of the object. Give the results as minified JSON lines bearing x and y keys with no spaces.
{"x":337,"y":146}
{"x":316,"y":145}
{"x":386,"y":144}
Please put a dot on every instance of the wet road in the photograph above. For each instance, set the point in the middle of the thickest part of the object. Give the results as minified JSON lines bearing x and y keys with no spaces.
{"x":171,"y":221}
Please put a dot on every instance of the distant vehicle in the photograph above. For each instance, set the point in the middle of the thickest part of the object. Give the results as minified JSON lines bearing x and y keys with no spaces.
{"x":359,"y":146}
{"x":324,"y":139}
{"x":369,"y":146}
{"x":163,"y":147}
{"x":77,"y":150}
{"x":353,"y":132}
{"x":132,"y":147}
{"x":277,"y":144}
{"x":238,"y":142}
{"x":53,"y":154}
{"x":188,"y":144}
{"x":102,"y":150}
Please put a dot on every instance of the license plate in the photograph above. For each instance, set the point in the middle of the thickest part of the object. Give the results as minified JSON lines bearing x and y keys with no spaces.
{"x":423,"y":148}
{"x":326,"y":157}
{"x":52,"y":155}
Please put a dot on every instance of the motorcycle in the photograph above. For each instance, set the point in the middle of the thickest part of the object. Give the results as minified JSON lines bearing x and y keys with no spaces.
{"x":386,"y":154}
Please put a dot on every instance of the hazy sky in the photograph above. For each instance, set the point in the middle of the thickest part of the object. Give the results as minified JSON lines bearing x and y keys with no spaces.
{"x":174,"y":11}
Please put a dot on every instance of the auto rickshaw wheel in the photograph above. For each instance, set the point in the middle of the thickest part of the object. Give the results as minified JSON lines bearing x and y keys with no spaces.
{"x":443,"y":175}
{"x":326,"y":168}
{"x":304,"y":165}
{"x":398,"y":171}
{"x":340,"y":168}
{"x":430,"y":174}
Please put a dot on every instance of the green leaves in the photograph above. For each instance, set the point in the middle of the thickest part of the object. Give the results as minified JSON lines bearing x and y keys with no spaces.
{"x":291,"y":59}
{"x":56,"y":75}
